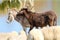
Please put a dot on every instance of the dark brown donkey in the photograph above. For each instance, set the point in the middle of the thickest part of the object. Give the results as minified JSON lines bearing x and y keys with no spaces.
{"x":39,"y":19}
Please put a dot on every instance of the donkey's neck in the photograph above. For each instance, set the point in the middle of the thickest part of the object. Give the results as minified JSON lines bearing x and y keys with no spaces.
{"x":16,"y":19}
{"x":27,"y":15}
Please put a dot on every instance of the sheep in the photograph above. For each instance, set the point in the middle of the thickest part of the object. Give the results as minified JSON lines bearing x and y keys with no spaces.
{"x":35,"y":34}
{"x":13,"y":33}
{"x":6,"y":36}
{"x":57,"y":32}
{"x":21,"y":36}
{"x":48,"y":33}
{"x":51,"y":33}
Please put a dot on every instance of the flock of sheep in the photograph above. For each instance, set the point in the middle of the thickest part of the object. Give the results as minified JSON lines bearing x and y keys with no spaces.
{"x":46,"y":33}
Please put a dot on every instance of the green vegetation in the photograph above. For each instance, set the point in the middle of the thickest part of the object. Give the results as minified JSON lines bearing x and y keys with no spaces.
{"x":9,"y":4}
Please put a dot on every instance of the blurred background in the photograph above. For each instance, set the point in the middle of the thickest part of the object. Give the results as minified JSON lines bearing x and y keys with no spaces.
{"x":39,"y":6}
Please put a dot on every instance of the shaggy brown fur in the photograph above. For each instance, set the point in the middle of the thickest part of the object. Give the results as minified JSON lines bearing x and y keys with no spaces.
{"x":39,"y":19}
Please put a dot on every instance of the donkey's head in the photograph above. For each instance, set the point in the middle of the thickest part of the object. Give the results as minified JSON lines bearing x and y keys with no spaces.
{"x":23,"y":10}
{"x":11,"y":15}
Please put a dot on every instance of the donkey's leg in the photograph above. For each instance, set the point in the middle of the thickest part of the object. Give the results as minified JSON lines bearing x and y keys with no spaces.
{"x":51,"y":23}
{"x":24,"y":28}
{"x":31,"y":27}
{"x":55,"y":21}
